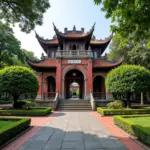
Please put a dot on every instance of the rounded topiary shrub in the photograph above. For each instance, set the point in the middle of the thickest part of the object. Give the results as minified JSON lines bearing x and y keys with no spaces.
{"x":18,"y":80}
{"x":127,"y":79}
{"x":117,"y":104}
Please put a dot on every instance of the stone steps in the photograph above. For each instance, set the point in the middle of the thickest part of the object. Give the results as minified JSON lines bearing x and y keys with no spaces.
{"x":74,"y":105}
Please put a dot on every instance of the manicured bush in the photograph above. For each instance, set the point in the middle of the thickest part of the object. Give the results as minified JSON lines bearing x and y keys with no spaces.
{"x":128,"y":79}
{"x":25,"y":104}
{"x":20,"y":104}
{"x":141,"y":132}
{"x":125,"y":111}
{"x":14,"y":128}
{"x":117,"y":104}
{"x":25,"y":112}
{"x":6,"y":102}
{"x":17,"y":80}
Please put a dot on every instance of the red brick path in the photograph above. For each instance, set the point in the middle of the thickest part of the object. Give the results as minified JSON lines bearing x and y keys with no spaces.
{"x":115,"y":131}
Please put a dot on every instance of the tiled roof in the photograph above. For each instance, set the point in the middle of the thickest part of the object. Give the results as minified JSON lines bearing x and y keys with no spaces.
{"x":45,"y":63}
{"x":93,"y":42}
{"x":75,"y":34}
{"x":105,"y":63}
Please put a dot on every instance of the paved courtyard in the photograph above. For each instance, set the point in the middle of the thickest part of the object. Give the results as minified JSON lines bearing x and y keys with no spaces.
{"x":73,"y":131}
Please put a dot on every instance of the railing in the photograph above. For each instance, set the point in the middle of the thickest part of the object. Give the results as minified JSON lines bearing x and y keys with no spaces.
{"x":49,"y":95}
{"x":99,"y":95}
{"x":56,"y":100}
{"x":72,"y":53}
{"x":103,"y":96}
{"x":92,"y":101}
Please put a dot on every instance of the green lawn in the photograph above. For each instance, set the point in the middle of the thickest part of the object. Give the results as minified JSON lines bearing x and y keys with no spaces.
{"x":4,"y":123}
{"x":11,"y":127}
{"x":142,"y":121}
{"x":138,"y":125}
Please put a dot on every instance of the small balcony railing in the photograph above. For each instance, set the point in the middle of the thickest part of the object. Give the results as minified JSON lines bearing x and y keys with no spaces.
{"x":74,"y":53}
{"x":99,"y":95}
{"x":49,"y":95}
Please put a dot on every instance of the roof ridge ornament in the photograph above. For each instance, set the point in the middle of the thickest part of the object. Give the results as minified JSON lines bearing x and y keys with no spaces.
{"x":74,"y":28}
{"x":93,"y":26}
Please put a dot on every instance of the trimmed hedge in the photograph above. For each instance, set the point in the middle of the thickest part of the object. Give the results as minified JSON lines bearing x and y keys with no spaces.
{"x":142,"y":133}
{"x":125,"y":111}
{"x":13,"y":129}
{"x":6,"y":102}
{"x":25,"y":112}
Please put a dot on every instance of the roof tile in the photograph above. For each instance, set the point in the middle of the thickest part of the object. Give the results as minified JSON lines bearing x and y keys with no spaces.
{"x":105,"y":63}
{"x":45,"y":63}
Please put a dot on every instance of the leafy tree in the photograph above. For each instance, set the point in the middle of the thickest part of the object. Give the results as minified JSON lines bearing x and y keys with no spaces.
{"x":9,"y":45}
{"x":129,"y":17}
{"x":28,"y":13}
{"x":30,"y":54}
{"x":133,"y":52}
{"x":128,"y":79}
{"x":17,"y":80}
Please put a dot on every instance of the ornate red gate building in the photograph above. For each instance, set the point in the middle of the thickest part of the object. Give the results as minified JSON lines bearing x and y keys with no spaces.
{"x":73,"y":56}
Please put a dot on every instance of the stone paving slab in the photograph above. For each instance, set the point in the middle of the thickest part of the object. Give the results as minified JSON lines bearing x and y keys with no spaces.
{"x":73,"y":131}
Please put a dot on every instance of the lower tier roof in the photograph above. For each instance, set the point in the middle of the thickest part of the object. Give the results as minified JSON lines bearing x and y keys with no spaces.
{"x":52,"y":63}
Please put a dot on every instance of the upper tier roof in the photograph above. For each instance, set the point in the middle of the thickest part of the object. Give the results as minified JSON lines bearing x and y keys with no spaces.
{"x":52,"y":63}
{"x":92,"y":42}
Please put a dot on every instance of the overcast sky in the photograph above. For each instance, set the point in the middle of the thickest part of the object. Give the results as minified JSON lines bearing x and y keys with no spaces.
{"x":66,"y":13}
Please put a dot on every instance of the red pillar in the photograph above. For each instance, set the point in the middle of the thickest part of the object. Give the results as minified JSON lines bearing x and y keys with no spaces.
{"x":40,"y":79}
{"x":89,"y":77}
{"x":59,"y":77}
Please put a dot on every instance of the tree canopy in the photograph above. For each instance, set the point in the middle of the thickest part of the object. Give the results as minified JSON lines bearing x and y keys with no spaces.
{"x":30,"y":54}
{"x":133,"y":52}
{"x":17,"y":80}
{"x":128,"y":79}
{"x":10,"y":49}
{"x":9,"y":45}
{"x":28,"y":13}
{"x":129,"y":17}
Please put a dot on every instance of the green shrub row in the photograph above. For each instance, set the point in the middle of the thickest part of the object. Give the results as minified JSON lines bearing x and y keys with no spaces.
{"x":6,"y":102}
{"x":25,"y":112}
{"x":142,"y":133}
{"x":14,"y":128}
{"x":125,"y":111}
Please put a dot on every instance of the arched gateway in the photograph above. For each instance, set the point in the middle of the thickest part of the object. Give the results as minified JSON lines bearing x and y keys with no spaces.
{"x":75,"y":59}
{"x":74,"y":76}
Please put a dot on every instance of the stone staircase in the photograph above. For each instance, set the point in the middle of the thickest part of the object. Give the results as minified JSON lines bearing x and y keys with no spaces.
{"x":72,"y":105}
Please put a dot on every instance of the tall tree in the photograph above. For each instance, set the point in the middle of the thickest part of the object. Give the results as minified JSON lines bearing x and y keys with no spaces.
{"x":30,"y":54}
{"x":133,"y":52}
{"x":28,"y":13}
{"x":128,"y":17}
{"x":9,"y":45}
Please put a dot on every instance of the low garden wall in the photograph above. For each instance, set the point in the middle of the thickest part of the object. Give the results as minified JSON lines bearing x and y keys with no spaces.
{"x":123,"y":111}
{"x":26,"y":112}
{"x":141,"y":132}
{"x":15,"y":126}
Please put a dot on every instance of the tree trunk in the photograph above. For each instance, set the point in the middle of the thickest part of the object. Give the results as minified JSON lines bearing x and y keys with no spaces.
{"x":128,"y":100}
{"x":147,"y":96}
{"x":142,"y":99}
{"x":134,"y":96}
{"x":15,"y":97}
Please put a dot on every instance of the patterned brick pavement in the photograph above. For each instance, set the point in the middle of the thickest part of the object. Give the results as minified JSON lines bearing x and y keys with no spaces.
{"x":73,"y":131}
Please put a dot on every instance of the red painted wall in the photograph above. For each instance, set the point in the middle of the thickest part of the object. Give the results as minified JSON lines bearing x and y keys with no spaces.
{"x":40,"y":78}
